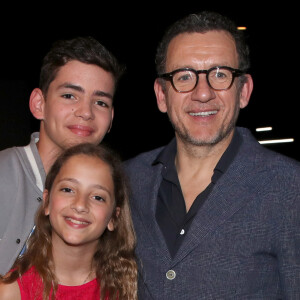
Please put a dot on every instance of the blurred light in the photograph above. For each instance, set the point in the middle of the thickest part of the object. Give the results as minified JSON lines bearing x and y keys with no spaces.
{"x":264,"y":129}
{"x":241,"y":27}
{"x":276,"y":141}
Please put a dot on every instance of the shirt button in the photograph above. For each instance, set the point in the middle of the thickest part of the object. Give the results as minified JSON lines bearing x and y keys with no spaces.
{"x":171,"y":274}
{"x":182,"y":232}
{"x":18,"y":241}
{"x":39,"y":199}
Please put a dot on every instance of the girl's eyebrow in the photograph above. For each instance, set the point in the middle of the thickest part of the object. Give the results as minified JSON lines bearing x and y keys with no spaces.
{"x":68,"y":179}
{"x":74,"y":180}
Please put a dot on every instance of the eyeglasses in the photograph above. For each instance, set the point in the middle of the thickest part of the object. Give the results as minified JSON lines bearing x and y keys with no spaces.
{"x":186,"y":79}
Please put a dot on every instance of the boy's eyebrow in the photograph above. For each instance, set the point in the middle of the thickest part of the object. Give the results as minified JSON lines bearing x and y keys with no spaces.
{"x":102,"y":94}
{"x":80,"y":89}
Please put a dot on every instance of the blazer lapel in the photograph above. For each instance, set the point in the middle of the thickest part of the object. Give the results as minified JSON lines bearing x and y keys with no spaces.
{"x":227,"y":197}
{"x":146,"y":209}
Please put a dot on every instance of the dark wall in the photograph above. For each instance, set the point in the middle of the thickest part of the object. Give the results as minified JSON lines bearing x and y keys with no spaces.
{"x":132,"y":34}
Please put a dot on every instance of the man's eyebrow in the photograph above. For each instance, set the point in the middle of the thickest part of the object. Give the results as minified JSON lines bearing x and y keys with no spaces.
{"x":80,"y":89}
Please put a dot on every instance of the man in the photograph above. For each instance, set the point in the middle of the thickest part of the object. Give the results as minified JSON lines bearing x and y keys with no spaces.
{"x":75,"y":105}
{"x":216,"y":215}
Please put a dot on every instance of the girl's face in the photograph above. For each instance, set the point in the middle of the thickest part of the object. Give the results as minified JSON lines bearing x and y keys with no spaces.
{"x":81,"y":201}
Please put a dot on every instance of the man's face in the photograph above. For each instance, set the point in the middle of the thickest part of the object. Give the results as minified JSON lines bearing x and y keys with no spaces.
{"x":203,"y":116}
{"x":78,"y":106}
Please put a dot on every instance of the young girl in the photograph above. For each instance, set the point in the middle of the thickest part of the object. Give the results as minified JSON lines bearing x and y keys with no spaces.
{"x":83,"y":244}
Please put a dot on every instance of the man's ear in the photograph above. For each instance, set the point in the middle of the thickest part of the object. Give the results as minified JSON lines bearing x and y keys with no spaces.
{"x":160,"y":96}
{"x":36,"y":103}
{"x":46,"y":202}
{"x":246,"y":91}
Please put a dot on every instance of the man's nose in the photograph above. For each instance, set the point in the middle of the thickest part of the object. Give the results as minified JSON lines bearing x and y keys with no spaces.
{"x":203,"y":92}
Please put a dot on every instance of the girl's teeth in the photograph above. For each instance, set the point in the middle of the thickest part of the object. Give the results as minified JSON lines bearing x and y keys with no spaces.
{"x":75,"y":221}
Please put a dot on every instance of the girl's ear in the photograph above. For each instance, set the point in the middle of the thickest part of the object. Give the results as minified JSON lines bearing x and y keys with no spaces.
{"x":111,"y":225}
{"x":46,"y":202}
{"x":117,"y":211}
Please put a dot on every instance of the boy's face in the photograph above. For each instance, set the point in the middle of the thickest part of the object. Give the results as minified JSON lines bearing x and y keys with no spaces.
{"x":78,"y":106}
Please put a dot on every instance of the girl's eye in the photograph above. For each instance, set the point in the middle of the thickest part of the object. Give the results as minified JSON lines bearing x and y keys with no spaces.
{"x":66,"y":190}
{"x":99,"y":198}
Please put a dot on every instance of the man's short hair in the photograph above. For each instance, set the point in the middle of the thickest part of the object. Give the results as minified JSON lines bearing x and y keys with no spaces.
{"x":84,"y":49}
{"x":201,"y":23}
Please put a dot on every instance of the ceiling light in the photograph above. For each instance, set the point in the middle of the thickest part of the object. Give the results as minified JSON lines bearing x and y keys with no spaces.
{"x":264,"y":129}
{"x":277,"y":141}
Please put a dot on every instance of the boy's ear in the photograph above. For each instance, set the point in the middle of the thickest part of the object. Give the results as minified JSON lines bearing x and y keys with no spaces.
{"x":46,"y":202}
{"x":112,"y":118}
{"x":36,"y":103}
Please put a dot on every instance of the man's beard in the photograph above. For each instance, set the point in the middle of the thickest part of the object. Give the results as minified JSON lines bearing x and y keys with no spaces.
{"x":223,"y":132}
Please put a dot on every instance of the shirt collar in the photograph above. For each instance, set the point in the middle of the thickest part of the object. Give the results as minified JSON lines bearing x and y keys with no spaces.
{"x":167,"y":156}
{"x":227,"y":157}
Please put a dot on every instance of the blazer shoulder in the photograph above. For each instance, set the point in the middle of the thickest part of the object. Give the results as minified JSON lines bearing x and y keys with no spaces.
{"x":265,"y":159}
{"x":144,"y":159}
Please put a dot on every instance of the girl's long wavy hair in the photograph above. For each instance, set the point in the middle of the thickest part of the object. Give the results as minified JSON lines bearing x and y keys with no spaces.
{"x":114,"y":260}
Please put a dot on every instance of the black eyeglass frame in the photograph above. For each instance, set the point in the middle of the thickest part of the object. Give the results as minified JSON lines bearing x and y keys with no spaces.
{"x":169,"y":76}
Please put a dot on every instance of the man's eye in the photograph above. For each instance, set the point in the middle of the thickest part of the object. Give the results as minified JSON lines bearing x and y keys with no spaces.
{"x":184,"y":77}
{"x":220,"y":75}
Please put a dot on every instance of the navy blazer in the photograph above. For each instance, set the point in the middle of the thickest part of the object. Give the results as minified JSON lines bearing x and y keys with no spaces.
{"x":244,"y":242}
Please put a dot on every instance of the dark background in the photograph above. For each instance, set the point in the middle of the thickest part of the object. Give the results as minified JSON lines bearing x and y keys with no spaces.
{"x":132,"y":32}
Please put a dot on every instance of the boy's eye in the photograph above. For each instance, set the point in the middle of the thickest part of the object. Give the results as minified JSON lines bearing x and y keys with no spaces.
{"x":68,"y":96}
{"x":101,"y":103}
